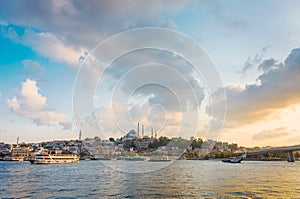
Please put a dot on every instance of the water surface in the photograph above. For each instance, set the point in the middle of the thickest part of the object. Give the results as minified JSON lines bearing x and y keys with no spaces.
{"x":181,"y":179}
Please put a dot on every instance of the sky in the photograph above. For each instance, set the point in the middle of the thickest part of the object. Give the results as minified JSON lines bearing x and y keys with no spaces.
{"x":225,"y":70}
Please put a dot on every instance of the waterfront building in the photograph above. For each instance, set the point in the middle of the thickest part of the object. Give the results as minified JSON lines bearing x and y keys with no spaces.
{"x":143,"y":144}
{"x":100,"y":148}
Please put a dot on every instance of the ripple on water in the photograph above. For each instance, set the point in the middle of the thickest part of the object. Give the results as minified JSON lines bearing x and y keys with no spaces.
{"x":183,"y":179}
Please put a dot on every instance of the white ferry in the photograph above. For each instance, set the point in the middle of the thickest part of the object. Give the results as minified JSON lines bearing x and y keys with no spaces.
{"x":55,"y":159}
{"x":13,"y":158}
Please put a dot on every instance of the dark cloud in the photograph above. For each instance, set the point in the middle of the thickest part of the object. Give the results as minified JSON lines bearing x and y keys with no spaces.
{"x":276,"y":89}
{"x":86,"y":23}
{"x":269,"y":64}
{"x":252,"y":62}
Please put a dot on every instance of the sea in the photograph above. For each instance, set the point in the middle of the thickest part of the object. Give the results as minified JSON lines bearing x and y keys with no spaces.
{"x":143,"y":179}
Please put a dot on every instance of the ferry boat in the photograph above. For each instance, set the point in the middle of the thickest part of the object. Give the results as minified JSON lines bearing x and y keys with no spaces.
{"x":160,"y":159}
{"x":134,"y":158}
{"x":235,"y":159}
{"x":55,"y":159}
{"x":100,"y":158}
{"x":14,"y":158}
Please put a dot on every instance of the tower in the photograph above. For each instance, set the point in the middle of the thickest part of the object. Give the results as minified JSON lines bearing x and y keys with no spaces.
{"x":138,"y":129}
{"x":18,"y":141}
{"x":142,"y":131}
{"x":152,"y":133}
{"x":155,"y":134}
{"x":80,"y":135}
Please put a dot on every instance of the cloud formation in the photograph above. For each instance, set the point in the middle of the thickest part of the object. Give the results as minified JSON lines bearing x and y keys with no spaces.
{"x":49,"y":45}
{"x":252,"y":62}
{"x":271,"y":134}
{"x":31,"y":104}
{"x":277,"y":88}
{"x":86,"y":23}
{"x":33,"y":69}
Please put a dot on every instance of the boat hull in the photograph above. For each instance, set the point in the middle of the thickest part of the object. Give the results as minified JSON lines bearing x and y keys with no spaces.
{"x":55,"y":159}
{"x":159,"y":160}
{"x":55,"y":162}
{"x":9,"y":158}
{"x":232,"y":161}
{"x":135,"y":159}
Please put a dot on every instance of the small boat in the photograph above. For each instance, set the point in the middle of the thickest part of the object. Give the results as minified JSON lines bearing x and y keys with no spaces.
{"x":159,"y":159}
{"x":235,"y":159}
{"x":102,"y":158}
{"x":55,"y":159}
{"x":121,"y":158}
{"x":135,"y":158}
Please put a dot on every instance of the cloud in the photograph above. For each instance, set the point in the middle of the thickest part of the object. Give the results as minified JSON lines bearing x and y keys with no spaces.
{"x":160,"y":77}
{"x":271,"y":134}
{"x":49,"y":45}
{"x":269,"y":64}
{"x":10,"y":33}
{"x":117,"y":120}
{"x":253,"y":62}
{"x":67,"y":125}
{"x":31,"y":104}
{"x":87,"y":23}
{"x":277,"y":88}
{"x":33,"y":69}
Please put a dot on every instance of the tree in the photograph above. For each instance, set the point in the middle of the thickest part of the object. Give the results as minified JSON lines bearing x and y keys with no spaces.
{"x":196,"y":143}
{"x":163,"y":141}
{"x":97,"y":138}
{"x":112,"y":139}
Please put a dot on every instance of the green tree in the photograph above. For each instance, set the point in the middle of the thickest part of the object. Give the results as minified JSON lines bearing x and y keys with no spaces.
{"x":97,"y":138}
{"x":196,"y":143}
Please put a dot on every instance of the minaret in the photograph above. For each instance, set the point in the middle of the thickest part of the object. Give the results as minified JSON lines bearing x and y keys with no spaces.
{"x":142,"y":131}
{"x":18,"y":142}
{"x":80,"y":135}
{"x":155,"y":134}
{"x":138,"y":129}
{"x":152,"y":133}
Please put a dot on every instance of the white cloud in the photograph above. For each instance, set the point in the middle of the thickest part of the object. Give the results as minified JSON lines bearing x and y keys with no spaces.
{"x":49,"y":45}
{"x":31,"y":104}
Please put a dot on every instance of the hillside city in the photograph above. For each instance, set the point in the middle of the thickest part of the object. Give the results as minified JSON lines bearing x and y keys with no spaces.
{"x":133,"y":144}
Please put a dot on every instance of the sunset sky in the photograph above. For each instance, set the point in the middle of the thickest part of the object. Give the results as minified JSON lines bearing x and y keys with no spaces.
{"x":47,"y":46}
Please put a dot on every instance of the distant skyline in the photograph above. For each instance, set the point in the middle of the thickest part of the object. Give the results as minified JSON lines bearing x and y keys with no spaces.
{"x":254,"y":45}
